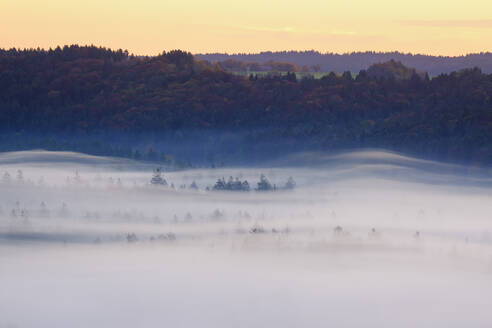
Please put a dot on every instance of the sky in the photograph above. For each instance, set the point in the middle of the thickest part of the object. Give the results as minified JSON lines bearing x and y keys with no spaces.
{"x":148,"y":27}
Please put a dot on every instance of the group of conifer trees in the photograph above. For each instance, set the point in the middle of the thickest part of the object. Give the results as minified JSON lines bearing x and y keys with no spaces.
{"x":232,"y":184}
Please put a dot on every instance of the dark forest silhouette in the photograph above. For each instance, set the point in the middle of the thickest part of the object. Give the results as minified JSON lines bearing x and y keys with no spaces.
{"x":83,"y":91}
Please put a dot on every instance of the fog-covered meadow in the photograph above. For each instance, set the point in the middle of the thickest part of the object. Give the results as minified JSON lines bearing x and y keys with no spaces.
{"x":369,"y":238}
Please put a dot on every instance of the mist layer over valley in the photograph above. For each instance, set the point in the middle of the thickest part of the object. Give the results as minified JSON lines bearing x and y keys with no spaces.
{"x":368,"y":238}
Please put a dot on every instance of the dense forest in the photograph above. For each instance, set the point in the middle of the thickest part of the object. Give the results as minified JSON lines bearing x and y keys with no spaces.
{"x":356,"y":61}
{"x":110,"y":102}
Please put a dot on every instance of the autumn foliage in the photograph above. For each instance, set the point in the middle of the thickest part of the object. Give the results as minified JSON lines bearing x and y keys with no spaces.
{"x":83,"y":90}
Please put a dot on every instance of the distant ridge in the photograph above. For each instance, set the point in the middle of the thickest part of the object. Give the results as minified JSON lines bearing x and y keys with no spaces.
{"x":356,"y":61}
{"x":43,"y":156}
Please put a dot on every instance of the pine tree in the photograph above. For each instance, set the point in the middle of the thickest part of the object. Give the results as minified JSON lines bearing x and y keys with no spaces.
{"x":6,"y":178}
{"x":157,"y":179}
{"x":264,"y":184}
{"x":220,"y":184}
{"x":290,"y":184}
{"x":20,"y":176}
{"x":245,"y":185}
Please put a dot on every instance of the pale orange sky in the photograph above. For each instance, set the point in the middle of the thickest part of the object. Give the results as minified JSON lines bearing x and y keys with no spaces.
{"x":150,"y":26}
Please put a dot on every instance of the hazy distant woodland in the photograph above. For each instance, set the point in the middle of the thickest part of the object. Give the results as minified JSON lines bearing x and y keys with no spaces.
{"x":356,"y":61}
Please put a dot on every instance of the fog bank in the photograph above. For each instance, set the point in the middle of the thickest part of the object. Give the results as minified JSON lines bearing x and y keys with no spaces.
{"x":364,"y":239}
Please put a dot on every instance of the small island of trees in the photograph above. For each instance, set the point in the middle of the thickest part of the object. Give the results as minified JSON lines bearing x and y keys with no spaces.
{"x":231,"y":184}
{"x":235,"y":184}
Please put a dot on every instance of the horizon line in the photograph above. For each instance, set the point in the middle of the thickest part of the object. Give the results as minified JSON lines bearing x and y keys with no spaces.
{"x":485,"y":52}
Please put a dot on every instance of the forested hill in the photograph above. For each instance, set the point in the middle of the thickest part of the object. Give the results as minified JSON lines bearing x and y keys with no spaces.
{"x":356,"y":61}
{"x":85,"y":91}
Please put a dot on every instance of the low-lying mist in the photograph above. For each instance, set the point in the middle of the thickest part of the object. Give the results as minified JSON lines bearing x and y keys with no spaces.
{"x":368,"y":239}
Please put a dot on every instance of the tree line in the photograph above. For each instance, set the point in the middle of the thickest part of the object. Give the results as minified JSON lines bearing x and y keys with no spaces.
{"x":232,"y":184}
{"x":356,"y":61}
{"x":83,"y":91}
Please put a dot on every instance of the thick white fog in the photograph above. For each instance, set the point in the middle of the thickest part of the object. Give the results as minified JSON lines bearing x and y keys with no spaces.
{"x":365,"y":239}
